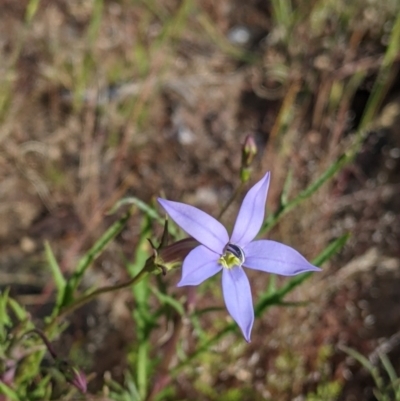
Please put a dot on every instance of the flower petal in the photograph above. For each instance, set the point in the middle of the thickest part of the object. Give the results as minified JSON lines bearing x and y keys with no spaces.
{"x":274,"y":257}
{"x":237,"y":296}
{"x":251,"y":213}
{"x":198,"y":224}
{"x":199,"y":265}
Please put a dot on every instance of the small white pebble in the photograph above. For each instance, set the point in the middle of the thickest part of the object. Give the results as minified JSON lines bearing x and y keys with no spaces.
{"x":239,"y":35}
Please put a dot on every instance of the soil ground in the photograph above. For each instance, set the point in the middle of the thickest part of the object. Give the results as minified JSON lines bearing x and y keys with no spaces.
{"x":158,"y":99}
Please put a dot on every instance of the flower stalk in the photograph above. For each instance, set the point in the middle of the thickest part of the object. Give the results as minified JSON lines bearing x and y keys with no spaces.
{"x":165,"y":258}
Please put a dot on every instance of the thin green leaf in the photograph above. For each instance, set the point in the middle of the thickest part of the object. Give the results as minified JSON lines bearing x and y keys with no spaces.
{"x":365,"y":363}
{"x":286,"y":188}
{"x":144,"y":319}
{"x":91,"y":255}
{"x":18,"y":310}
{"x":293,"y":304}
{"x":4,"y":318}
{"x":58,"y":277}
{"x":132,"y":388}
{"x":271,"y":289}
{"x":358,"y":357}
{"x":389,"y":369}
{"x":222,"y":42}
{"x":173,"y":27}
{"x":95,"y":21}
{"x":142,"y":368}
{"x":384,"y":78}
{"x":205,"y":347}
{"x":333,"y":248}
{"x":8,"y":392}
{"x":166,"y":299}
{"x":272,"y":298}
{"x":142,"y":206}
{"x":195,"y":322}
{"x":146,"y":209}
{"x":306,"y":193}
{"x":282,"y":12}
{"x":31,"y":10}
{"x":29,"y":367}
{"x":200,"y":312}
{"x":42,"y":389}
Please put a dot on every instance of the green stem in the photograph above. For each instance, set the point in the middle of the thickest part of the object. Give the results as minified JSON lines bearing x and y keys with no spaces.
{"x":230,"y":200}
{"x":313,"y":187}
{"x":89,"y":297}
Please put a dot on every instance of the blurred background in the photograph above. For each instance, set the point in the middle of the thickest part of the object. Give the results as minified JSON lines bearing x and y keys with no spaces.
{"x":103,"y":99}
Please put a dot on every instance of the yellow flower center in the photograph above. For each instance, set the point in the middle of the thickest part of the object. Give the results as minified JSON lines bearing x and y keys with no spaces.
{"x":233,"y":256}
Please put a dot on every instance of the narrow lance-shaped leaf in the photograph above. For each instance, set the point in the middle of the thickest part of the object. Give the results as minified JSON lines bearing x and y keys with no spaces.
{"x":270,"y":299}
{"x":91,"y":255}
{"x":58,"y":277}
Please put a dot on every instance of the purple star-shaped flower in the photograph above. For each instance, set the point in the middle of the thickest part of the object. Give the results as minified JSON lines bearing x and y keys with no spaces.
{"x":219,"y":252}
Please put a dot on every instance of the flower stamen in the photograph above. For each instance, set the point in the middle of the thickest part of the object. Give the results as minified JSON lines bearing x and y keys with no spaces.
{"x":233,"y":256}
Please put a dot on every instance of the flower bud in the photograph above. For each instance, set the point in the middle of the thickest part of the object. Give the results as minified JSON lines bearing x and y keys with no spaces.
{"x":79,"y":380}
{"x":73,"y":375}
{"x":167,"y":257}
{"x":249,"y":150}
{"x":170,"y":256}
